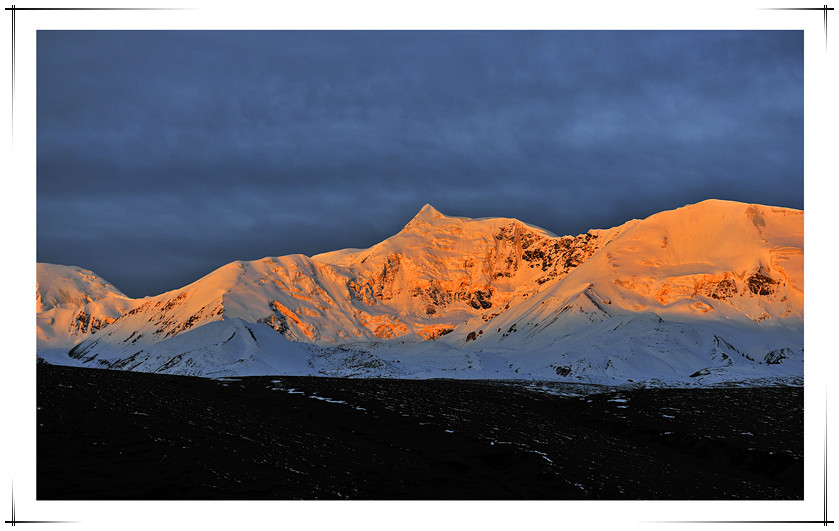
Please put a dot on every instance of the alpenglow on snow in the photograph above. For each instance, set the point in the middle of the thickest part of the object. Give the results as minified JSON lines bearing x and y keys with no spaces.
{"x":704,"y":293}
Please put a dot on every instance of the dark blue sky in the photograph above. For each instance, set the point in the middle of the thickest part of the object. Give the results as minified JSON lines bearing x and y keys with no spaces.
{"x":164,"y":155}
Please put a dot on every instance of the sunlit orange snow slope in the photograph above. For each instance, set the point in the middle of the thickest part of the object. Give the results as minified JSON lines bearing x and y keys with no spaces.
{"x":497,"y":286}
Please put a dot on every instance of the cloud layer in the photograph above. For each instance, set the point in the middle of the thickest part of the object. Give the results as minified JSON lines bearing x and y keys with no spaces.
{"x":163,"y":155}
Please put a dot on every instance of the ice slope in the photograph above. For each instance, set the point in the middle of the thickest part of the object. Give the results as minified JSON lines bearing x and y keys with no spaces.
{"x":73,"y":303}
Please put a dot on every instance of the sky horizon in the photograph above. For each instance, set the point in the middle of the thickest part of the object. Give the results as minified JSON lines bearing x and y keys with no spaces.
{"x":163,"y":155}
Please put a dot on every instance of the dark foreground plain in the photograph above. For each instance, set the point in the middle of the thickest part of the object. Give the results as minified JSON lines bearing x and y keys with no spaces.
{"x":118,"y":435}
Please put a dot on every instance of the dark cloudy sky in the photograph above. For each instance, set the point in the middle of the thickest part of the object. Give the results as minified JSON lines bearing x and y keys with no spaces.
{"x":164,"y":155}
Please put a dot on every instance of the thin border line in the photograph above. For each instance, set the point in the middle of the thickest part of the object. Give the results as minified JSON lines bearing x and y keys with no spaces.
{"x":825,"y":9}
{"x":12,"y":124}
{"x":15,"y":521}
{"x":14,"y":9}
{"x":825,"y":522}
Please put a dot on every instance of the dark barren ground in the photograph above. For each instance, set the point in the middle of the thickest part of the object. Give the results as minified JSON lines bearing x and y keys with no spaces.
{"x":120,"y":435}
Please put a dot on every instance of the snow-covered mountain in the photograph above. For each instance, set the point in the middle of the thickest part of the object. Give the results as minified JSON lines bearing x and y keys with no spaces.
{"x":714,"y":262}
{"x":73,"y":303}
{"x":711,"y":290}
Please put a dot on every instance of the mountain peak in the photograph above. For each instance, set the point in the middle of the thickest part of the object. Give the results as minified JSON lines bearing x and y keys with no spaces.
{"x":495,"y":291}
{"x":426,"y":214}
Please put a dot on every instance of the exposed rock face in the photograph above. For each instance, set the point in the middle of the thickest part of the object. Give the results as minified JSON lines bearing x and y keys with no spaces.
{"x":378,"y":286}
{"x":558,"y":257}
{"x":382,"y":326}
{"x":477,"y":269}
{"x":172,"y":315}
{"x":84,"y":324}
{"x":777,"y":356}
{"x":761,"y":284}
{"x":724,"y":289}
{"x":430,"y":333}
{"x":563,"y":371}
{"x":281,"y":318}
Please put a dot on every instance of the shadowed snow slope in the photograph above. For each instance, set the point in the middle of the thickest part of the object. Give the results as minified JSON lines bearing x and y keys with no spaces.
{"x":231,"y":347}
{"x":495,"y":297}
